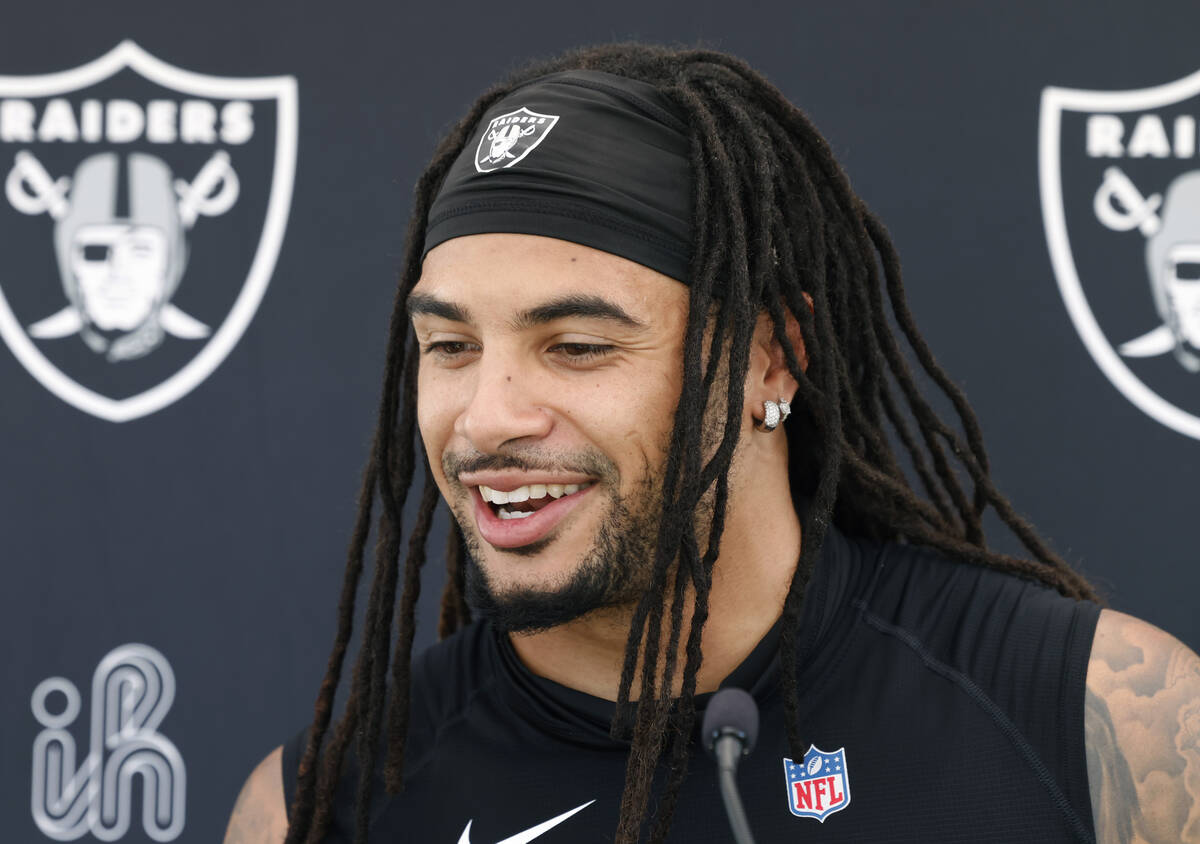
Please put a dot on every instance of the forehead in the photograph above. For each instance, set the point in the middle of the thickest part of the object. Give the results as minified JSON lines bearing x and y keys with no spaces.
{"x":498,"y":273}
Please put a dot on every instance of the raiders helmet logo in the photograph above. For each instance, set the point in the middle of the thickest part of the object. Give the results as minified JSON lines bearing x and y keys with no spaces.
{"x":510,"y":137}
{"x":129,"y":186}
{"x":1120,"y":191}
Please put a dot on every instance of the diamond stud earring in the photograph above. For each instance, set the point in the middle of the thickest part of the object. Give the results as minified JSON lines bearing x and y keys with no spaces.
{"x":785,"y":409}
{"x":771,"y":415}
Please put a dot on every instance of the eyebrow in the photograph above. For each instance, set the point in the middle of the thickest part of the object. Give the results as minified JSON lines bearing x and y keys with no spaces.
{"x":423,"y":303}
{"x":575,"y":305}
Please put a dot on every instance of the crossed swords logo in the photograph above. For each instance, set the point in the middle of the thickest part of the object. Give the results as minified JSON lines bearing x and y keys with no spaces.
{"x":33,"y":191}
{"x":504,"y":140}
{"x":1121,"y":207}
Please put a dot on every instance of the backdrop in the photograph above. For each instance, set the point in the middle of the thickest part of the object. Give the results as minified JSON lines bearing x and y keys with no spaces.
{"x":203,"y":213}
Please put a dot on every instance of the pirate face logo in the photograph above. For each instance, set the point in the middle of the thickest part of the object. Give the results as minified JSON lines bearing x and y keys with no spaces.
{"x":119,"y":271}
{"x":1173,"y":264}
{"x":134,"y":188}
{"x":510,"y":137}
{"x":120,"y":274}
{"x":1120,"y":189}
{"x":503,"y":139}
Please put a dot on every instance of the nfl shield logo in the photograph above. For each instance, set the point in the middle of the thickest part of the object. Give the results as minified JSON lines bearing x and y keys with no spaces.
{"x":819,"y":784}
{"x":510,"y":137}
{"x":1120,"y":190}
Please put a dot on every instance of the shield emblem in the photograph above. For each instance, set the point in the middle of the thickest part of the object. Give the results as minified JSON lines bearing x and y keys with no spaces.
{"x":510,"y":137}
{"x":143,"y":212}
{"x":1120,"y":193}
{"x":819,"y":784}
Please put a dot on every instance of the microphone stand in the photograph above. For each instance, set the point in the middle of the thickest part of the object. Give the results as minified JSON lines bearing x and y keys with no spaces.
{"x":729,"y":732}
{"x":728,"y":749}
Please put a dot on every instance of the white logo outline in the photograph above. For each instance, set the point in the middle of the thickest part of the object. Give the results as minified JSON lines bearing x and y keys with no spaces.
{"x":282,"y":90}
{"x":533,"y":832}
{"x":485,"y":136}
{"x":1054,"y":102}
{"x":133,"y":688}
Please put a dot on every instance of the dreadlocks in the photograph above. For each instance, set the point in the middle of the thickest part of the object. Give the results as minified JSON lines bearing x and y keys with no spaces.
{"x":778,"y":228}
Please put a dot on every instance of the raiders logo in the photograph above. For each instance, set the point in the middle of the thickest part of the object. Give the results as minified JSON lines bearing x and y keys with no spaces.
{"x":510,"y":137}
{"x":143,"y":211}
{"x":1120,"y":191}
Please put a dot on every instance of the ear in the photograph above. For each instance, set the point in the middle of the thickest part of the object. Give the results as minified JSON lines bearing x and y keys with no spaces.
{"x":768,"y":378}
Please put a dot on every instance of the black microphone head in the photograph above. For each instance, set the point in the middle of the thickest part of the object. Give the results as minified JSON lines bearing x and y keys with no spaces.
{"x":731,"y":710}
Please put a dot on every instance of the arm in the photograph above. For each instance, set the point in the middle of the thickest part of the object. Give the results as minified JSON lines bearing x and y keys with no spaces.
{"x":259,"y":816}
{"x":1142,"y":727}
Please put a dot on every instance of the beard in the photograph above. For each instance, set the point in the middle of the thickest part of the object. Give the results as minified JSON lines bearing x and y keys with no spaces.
{"x":614,"y":571}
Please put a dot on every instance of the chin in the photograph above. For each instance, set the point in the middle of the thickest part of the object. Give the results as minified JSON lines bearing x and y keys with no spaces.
{"x":519,"y":596}
{"x":594,"y":556}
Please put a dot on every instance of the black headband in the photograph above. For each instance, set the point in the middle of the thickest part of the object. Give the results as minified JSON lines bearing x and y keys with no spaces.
{"x":581,"y":155}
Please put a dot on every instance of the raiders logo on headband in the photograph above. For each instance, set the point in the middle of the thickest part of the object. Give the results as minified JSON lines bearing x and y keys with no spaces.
{"x":130,"y":187}
{"x":510,"y":137}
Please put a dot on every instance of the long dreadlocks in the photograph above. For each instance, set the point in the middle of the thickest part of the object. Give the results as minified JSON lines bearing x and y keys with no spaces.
{"x":777,"y":226}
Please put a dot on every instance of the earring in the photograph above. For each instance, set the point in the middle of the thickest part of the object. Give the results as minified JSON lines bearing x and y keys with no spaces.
{"x":785,"y":409}
{"x":771,"y":415}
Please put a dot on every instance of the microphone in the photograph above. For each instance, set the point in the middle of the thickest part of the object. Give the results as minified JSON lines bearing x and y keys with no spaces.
{"x":729,"y":731}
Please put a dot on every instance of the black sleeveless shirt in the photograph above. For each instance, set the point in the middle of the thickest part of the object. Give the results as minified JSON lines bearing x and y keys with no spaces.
{"x":943,"y":703}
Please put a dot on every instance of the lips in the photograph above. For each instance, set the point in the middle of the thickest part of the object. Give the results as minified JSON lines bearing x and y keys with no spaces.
{"x":515,"y":533}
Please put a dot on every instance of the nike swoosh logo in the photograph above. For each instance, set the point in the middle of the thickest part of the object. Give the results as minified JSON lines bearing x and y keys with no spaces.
{"x":531,"y":833}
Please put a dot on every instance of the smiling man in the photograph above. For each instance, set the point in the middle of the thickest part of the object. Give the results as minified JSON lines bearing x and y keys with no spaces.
{"x":640,"y":349}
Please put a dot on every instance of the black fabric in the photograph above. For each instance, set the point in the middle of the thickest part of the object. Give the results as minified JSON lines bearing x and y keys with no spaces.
{"x":605,"y":164}
{"x":957,"y":693}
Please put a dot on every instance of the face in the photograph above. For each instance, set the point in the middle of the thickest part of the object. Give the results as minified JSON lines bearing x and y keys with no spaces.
{"x":1182,"y":288}
{"x":121,"y":271}
{"x":548,"y":379}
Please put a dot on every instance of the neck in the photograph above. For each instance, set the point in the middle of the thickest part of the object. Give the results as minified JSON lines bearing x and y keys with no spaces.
{"x":751,"y":577}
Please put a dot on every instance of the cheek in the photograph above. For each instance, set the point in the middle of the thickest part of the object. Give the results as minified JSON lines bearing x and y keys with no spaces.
{"x":435,"y":419}
{"x":638,"y":420}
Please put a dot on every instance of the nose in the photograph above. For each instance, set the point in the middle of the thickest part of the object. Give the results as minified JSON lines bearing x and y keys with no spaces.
{"x":506,"y":406}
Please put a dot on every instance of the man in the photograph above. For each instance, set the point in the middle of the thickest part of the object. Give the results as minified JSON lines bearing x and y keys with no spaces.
{"x":643,"y":338}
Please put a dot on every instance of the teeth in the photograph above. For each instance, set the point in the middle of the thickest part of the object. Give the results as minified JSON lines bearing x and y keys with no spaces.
{"x":513,"y":514}
{"x":525,"y":493}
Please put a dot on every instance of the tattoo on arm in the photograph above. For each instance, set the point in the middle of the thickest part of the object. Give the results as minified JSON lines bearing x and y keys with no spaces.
{"x":1114,"y":798}
{"x":1142,"y":726}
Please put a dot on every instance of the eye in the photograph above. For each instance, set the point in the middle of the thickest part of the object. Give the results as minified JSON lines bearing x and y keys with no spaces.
{"x":1187,"y":270}
{"x":449,"y":350}
{"x":577,"y":353}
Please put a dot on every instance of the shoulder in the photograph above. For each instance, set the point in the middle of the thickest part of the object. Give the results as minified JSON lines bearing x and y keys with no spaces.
{"x":1016,"y":648}
{"x":259,"y":815}
{"x":952,"y":606}
{"x":444,"y":679}
{"x":1143,"y":733}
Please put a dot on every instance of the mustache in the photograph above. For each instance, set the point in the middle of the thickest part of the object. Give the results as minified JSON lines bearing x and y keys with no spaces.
{"x":592,"y":464}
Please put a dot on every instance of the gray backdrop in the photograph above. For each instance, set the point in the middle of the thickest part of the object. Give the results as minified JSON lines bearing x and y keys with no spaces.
{"x":213,"y":529}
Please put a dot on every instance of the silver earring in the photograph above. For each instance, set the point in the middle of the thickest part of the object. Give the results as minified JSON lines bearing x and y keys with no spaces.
{"x":785,"y":409}
{"x":771,"y":415}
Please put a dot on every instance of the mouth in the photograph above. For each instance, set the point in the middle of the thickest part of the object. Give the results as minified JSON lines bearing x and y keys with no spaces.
{"x":526,"y":514}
